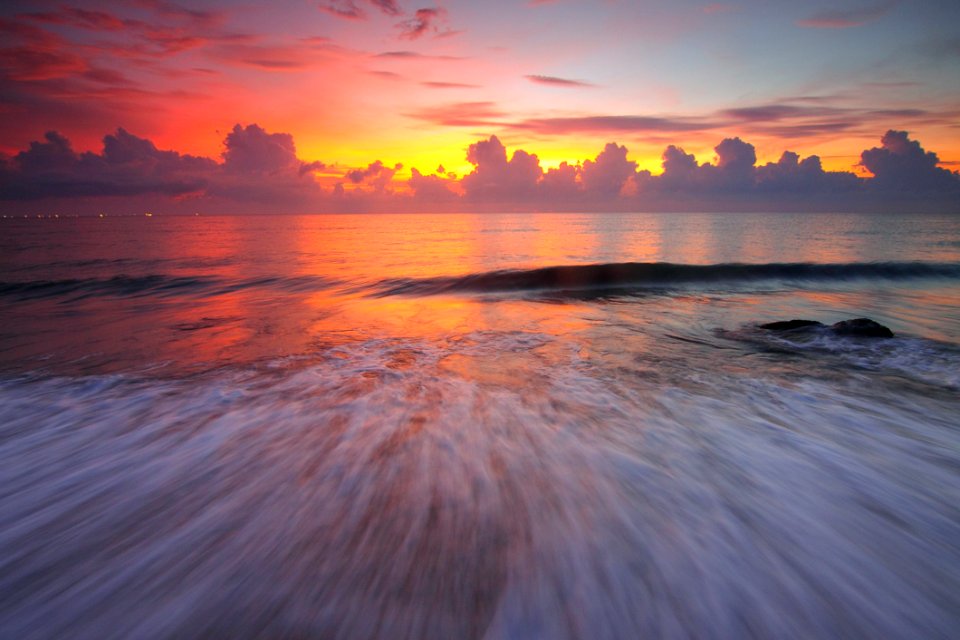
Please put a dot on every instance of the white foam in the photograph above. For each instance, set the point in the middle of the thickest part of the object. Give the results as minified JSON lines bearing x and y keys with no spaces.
{"x":378,"y":490}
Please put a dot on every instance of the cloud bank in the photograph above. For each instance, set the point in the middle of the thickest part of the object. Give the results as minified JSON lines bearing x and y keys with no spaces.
{"x":259,"y":171}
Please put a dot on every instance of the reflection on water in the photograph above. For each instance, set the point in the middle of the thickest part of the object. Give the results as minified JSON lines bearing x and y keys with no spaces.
{"x":224,"y":428}
{"x":273,"y":286}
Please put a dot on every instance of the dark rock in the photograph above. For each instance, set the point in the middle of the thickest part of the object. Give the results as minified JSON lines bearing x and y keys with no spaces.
{"x":790,"y":325}
{"x":861,"y":327}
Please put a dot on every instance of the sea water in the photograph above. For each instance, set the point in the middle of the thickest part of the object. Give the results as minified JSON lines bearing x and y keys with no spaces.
{"x":479,"y":426}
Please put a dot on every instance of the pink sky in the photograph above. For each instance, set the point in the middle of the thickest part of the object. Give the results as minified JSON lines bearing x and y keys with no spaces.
{"x":386,"y":97}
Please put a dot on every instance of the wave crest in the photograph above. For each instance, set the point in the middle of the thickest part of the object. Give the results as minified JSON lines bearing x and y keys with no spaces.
{"x":153,"y":285}
{"x":639,"y":275}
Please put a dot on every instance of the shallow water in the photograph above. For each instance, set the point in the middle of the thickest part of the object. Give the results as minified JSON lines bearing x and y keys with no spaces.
{"x":450,"y":426}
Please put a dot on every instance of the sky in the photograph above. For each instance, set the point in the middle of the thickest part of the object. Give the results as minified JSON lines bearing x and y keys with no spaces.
{"x":366,"y":104}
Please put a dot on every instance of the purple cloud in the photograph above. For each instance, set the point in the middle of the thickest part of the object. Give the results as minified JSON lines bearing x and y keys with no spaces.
{"x":901,"y":164}
{"x":343,"y":9}
{"x":350,"y":10}
{"x":561,"y":182}
{"x":771,"y":119}
{"x":845,"y":18}
{"x":251,"y":149}
{"x":422,"y":22}
{"x":449,"y":85}
{"x":260,"y":171}
{"x":389,"y":7}
{"x":413,"y":55}
{"x":735,"y":175}
{"x":610,"y":171}
{"x":735,"y":156}
{"x":777,"y":112}
{"x":554,"y":81}
{"x":614,"y":124}
{"x":375,"y":174}
{"x":128,"y":166}
{"x":497,"y":179}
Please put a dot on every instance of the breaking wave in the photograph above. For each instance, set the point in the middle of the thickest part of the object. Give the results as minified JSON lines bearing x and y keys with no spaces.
{"x":653,"y":275}
{"x":123,"y":286}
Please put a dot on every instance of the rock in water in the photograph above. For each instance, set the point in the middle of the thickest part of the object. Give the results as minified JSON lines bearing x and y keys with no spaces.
{"x":861,"y":327}
{"x":790,"y":325}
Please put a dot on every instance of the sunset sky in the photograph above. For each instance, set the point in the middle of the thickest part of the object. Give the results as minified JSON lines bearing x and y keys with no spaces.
{"x":414,"y":84}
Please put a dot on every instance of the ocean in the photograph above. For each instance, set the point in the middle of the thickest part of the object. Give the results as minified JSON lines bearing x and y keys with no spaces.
{"x":479,"y":426}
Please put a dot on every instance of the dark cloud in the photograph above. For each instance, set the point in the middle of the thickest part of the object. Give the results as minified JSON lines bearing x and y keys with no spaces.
{"x":260,"y":171}
{"x":777,"y":112}
{"x":273,"y":64}
{"x":901,"y":164}
{"x":803,"y":120}
{"x":736,"y":158}
{"x":376,"y":174}
{"x":400,"y":54}
{"x":251,"y":149}
{"x":561,"y":182}
{"x":777,"y":119}
{"x":845,"y":18}
{"x":899,"y":113}
{"x":55,"y":154}
{"x":736,"y":177}
{"x":796,"y":177}
{"x":681,"y":172}
{"x":351,"y":9}
{"x":608,"y":174}
{"x":393,"y":75}
{"x":128,"y":166}
{"x":809,"y":130}
{"x":614,"y":124}
{"x":310,"y":167}
{"x":413,"y":55}
{"x":554,"y":81}
{"x":389,"y":7}
{"x":497,"y":179}
{"x":423,"y":21}
{"x":449,"y":85}
{"x":343,"y":9}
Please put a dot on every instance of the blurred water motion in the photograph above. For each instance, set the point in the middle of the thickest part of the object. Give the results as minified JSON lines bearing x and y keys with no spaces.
{"x":233,"y":428}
